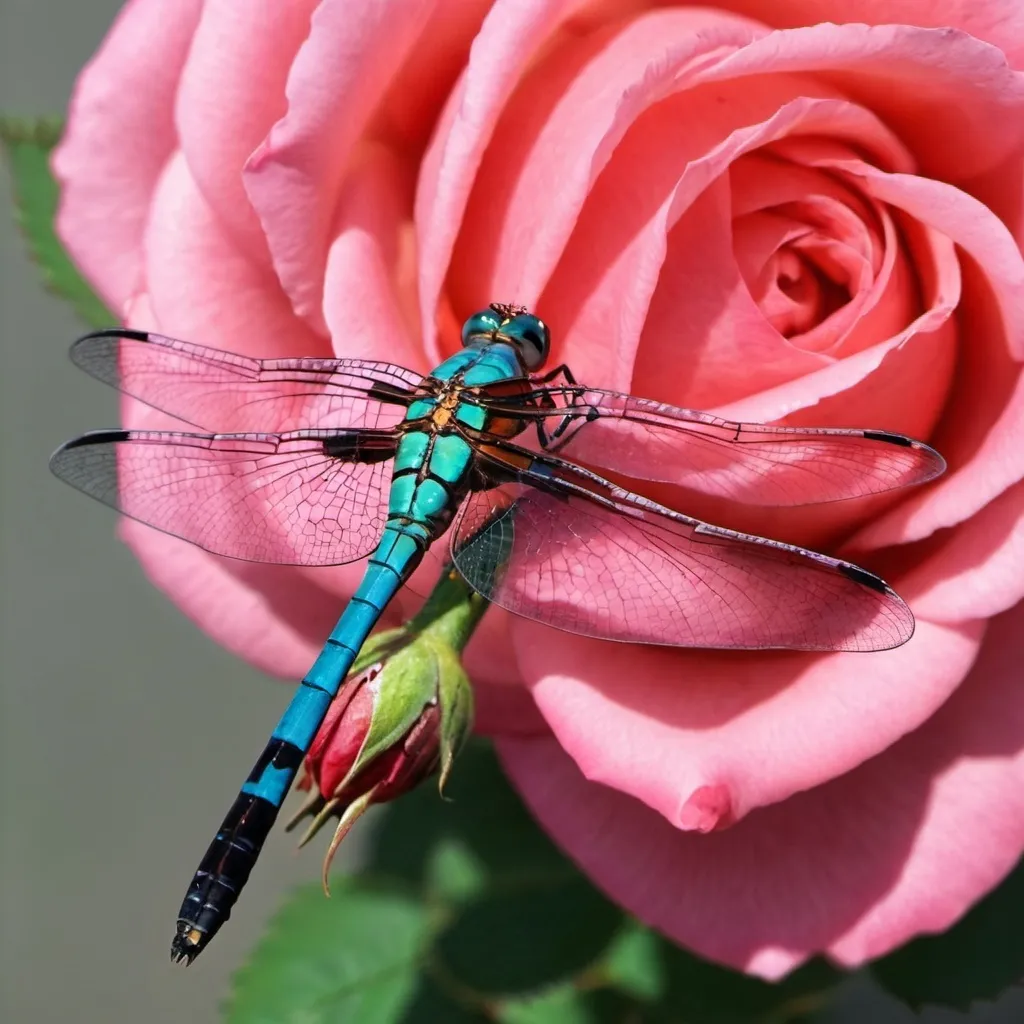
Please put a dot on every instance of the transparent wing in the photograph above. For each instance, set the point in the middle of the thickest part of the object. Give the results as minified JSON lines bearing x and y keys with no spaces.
{"x":561,"y":545}
{"x":746,"y":462}
{"x":301,"y":498}
{"x":220,"y":390}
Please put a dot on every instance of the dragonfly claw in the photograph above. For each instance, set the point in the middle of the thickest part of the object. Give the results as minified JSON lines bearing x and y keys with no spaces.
{"x":187,"y":944}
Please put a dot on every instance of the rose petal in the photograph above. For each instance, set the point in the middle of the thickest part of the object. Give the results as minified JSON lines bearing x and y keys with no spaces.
{"x":810,"y":285}
{"x":661,"y":725}
{"x":120,"y":134}
{"x":981,"y":425}
{"x":868,"y":388}
{"x":338,"y":78}
{"x":975,"y":569}
{"x":960,"y":217}
{"x":983,"y":419}
{"x":269,"y":615}
{"x":997,"y":21}
{"x":510,"y":35}
{"x":640,"y":268}
{"x":951,"y":99}
{"x":853,"y":868}
{"x":490,"y":656}
{"x":203,"y":288}
{"x":563,"y":123}
{"x":881,"y":302}
{"x":369,"y":292}
{"x":1002,"y":191}
{"x":505,"y":711}
{"x":426,"y":79}
{"x":221,"y":117}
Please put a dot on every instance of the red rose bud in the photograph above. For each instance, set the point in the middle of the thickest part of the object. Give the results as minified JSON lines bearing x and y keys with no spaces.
{"x":401,"y":715}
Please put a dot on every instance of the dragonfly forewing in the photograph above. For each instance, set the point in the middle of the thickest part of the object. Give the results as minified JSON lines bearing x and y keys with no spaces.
{"x":217,"y":390}
{"x":750,"y":463}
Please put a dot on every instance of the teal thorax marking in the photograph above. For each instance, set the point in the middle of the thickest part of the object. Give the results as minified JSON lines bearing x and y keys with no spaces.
{"x":431,"y":462}
{"x":487,"y":363}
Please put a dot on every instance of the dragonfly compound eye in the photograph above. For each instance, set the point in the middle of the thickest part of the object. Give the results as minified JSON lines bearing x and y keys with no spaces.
{"x":484,"y":324}
{"x":531,"y":336}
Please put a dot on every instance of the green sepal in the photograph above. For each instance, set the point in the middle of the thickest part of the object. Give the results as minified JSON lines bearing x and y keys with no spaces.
{"x":352,"y":813}
{"x":380,"y":647}
{"x":407,"y":683}
{"x":456,"y":696}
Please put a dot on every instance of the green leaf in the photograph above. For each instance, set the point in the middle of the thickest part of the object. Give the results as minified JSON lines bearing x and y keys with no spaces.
{"x":633,"y":963}
{"x":431,"y":1003}
{"x":570,"y":1005}
{"x":454,"y":873}
{"x":977,"y":959}
{"x":27,"y":144}
{"x":560,"y":1006}
{"x":529,"y":932}
{"x":353,"y":957}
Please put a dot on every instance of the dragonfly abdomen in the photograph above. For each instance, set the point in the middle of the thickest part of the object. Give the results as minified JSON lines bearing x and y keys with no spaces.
{"x":222,"y":872}
{"x":225,"y":868}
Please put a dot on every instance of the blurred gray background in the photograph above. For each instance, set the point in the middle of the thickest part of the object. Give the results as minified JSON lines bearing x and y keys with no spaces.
{"x":103,"y":820}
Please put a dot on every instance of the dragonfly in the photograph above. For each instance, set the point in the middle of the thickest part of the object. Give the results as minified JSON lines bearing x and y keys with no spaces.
{"x":372,"y":460}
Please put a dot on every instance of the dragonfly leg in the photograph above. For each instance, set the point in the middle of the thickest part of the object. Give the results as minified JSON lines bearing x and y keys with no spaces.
{"x":562,"y":371}
{"x":567,"y":387}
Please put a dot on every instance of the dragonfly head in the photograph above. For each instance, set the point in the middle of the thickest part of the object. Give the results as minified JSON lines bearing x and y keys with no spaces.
{"x":526,"y":333}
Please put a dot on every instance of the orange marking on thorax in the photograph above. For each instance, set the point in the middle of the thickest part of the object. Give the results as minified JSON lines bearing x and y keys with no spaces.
{"x":445,"y":409}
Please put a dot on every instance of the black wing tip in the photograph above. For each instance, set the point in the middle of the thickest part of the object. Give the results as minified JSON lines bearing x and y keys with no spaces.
{"x":896,"y":603}
{"x":62,"y":466}
{"x":81,"y":345}
{"x":890,"y":438}
{"x":902,"y":441}
{"x":112,"y":436}
{"x":866,"y":579}
{"x":114,"y":332}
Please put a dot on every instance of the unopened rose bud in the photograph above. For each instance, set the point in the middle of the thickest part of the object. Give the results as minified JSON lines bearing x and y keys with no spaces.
{"x":400,"y":717}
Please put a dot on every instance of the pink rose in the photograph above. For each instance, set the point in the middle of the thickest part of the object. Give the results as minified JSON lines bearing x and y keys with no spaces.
{"x":728,"y":209}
